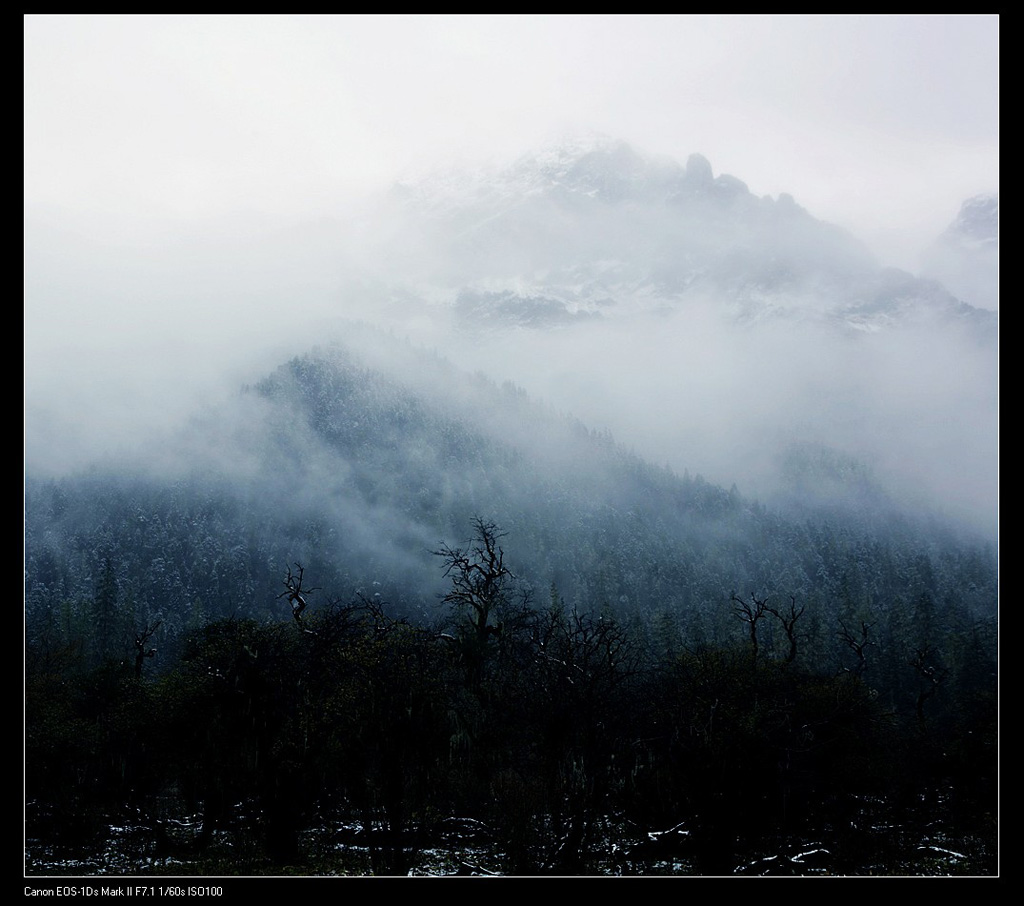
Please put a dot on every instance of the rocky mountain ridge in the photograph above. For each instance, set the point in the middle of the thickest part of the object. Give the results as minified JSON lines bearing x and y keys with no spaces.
{"x":965,"y":257}
{"x":596,"y":229}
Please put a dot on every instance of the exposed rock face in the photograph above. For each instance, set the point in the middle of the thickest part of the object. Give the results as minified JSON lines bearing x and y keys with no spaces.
{"x":595,"y":228}
{"x":966,"y":256}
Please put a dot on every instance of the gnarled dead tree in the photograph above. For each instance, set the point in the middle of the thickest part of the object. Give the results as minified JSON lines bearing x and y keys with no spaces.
{"x":750,"y":612}
{"x":788,"y":619}
{"x":857,"y":643}
{"x":479,"y":580}
{"x":295,"y":593}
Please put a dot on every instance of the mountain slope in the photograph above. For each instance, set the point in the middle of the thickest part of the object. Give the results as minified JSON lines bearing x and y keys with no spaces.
{"x":339,"y":463}
{"x":966,"y":256}
{"x":597,"y":229}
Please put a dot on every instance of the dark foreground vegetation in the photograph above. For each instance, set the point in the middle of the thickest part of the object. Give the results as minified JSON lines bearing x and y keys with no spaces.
{"x":516,"y":736}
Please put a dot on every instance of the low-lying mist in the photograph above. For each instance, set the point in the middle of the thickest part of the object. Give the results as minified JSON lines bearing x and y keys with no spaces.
{"x":727,"y":402}
{"x":127,"y":339}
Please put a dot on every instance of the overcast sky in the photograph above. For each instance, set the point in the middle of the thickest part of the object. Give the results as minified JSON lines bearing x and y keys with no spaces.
{"x":883,"y":124}
{"x":171,"y":163}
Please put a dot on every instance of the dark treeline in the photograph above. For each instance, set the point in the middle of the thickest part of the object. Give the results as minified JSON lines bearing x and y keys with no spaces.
{"x":358,"y":476}
{"x":639,"y":672}
{"x":514,"y":735}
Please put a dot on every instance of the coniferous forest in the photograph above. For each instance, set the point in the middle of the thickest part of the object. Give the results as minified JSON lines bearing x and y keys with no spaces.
{"x":523,"y":446}
{"x":476,"y":650}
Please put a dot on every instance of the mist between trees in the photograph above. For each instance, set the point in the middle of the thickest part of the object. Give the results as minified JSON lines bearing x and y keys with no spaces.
{"x":516,"y":733}
{"x":374,"y":614}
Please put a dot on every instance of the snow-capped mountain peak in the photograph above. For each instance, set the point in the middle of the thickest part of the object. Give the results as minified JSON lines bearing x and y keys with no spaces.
{"x":966,"y":256}
{"x":590,"y":227}
{"x":978,"y":221}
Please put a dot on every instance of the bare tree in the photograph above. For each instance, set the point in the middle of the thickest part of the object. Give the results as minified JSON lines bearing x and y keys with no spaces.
{"x":750,"y":613}
{"x":788,"y":619}
{"x":295,"y":593}
{"x":856,"y":643}
{"x":479,"y":579}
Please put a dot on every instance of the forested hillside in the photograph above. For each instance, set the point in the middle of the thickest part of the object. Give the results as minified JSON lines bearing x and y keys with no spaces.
{"x":509,"y":445}
{"x":517,"y":642}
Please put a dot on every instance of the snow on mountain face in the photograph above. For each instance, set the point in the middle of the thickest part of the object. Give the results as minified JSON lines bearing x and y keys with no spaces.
{"x":978,"y":221}
{"x":705,"y":323}
{"x":966,"y":256}
{"x":596,"y":229}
